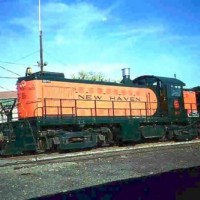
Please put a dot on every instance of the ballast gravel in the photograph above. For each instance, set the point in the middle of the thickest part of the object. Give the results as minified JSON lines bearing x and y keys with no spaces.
{"x":31,"y":180}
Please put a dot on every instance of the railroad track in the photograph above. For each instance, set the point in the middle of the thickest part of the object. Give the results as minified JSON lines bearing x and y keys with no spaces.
{"x":41,"y":159}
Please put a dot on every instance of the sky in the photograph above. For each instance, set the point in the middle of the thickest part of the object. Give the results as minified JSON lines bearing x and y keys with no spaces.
{"x":151,"y":37}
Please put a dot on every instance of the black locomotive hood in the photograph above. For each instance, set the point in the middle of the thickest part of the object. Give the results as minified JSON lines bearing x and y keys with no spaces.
{"x":43,"y":76}
{"x":150,"y":80}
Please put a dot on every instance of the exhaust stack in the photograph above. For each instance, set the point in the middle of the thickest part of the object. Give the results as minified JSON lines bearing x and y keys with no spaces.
{"x":126,"y":76}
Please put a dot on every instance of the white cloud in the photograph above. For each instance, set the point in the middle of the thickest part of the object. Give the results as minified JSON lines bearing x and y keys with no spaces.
{"x":111,"y":71}
{"x":61,"y":17}
{"x":71,"y":19}
{"x":141,"y":30}
{"x":55,"y":7}
{"x":87,"y":37}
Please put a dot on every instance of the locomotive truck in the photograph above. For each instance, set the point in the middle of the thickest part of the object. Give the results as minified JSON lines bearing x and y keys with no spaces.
{"x":60,"y":114}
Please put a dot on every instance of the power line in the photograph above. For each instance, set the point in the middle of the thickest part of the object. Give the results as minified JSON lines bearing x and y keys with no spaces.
{"x":4,"y":88}
{"x":9,"y":70}
{"x":55,"y":58}
{"x":16,"y":63}
{"x":28,"y":55}
{"x":6,"y":77}
{"x":13,"y":63}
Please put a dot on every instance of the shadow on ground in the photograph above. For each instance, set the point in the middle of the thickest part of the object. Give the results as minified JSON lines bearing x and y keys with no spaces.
{"x":177,"y":184}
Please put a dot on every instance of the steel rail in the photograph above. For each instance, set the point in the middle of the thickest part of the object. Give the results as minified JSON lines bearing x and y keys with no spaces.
{"x":42,"y":159}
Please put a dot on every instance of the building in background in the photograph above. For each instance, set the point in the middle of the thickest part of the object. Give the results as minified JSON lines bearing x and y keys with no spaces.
{"x":8,"y":107}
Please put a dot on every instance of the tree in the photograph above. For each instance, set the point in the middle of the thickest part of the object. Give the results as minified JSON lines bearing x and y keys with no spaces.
{"x":93,"y":76}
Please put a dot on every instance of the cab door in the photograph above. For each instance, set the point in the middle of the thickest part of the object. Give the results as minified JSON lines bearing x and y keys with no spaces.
{"x":175,"y":101}
{"x":163,"y":101}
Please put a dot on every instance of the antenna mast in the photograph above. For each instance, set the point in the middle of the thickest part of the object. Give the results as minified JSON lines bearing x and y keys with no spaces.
{"x":41,"y":64}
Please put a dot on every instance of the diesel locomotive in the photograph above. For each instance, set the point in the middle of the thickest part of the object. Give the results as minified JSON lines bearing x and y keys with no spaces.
{"x":59,"y":114}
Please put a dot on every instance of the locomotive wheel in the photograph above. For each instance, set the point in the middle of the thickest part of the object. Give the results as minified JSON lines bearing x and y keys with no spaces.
{"x":42,"y":145}
{"x":108,"y":135}
{"x":169,"y":135}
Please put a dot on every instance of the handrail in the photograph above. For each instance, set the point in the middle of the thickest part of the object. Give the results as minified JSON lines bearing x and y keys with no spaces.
{"x":111,"y":110}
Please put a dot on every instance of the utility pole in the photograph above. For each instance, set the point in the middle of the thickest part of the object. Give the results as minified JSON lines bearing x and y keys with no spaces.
{"x":41,"y":63}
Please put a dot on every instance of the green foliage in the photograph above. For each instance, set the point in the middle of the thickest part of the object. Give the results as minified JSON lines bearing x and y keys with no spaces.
{"x":93,"y":76}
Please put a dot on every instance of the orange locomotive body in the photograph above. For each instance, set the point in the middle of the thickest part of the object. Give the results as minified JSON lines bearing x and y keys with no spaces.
{"x":59,"y":114}
{"x":190,"y":102}
{"x":37,"y":98}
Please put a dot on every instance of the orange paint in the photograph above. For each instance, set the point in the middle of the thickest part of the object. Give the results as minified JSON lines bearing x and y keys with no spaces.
{"x":80,"y":99}
{"x":108,"y":91}
{"x":99,"y":90}
{"x":115,"y":92}
{"x":190,"y":103}
{"x":123,"y":92}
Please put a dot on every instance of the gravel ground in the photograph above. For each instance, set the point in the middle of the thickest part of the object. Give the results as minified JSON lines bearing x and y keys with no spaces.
{"x":28,"y":181}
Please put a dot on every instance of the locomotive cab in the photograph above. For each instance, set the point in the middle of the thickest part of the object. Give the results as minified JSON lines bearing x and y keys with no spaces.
{"x":169,"y":91}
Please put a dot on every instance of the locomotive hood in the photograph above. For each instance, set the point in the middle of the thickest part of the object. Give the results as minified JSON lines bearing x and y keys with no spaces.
{"x":151,"y":80}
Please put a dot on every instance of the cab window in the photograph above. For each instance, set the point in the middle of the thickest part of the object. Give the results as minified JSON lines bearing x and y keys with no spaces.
{"x":175,"y":91}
